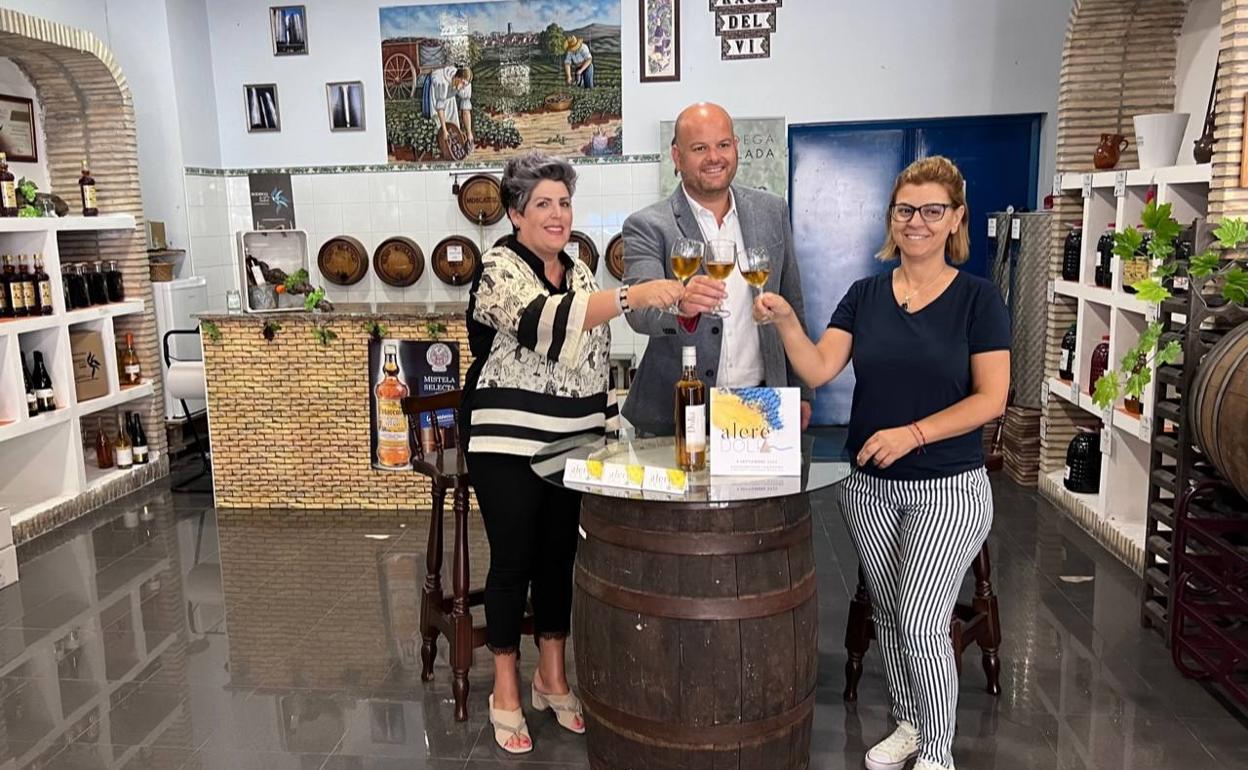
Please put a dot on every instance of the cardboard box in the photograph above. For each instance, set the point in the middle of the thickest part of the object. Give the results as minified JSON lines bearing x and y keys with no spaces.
{"x":8,"y":566}
{"x":90,"y":376}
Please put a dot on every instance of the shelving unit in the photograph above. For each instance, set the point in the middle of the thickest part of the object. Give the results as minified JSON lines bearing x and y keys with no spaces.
{"x":42,"y":460}
{"x":1116,"y":515}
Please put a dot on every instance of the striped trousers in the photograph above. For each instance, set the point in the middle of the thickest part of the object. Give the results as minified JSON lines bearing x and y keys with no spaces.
{"x":916,"y":540}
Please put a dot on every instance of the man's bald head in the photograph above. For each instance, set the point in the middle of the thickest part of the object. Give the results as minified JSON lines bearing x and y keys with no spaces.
{"x":704,"y":151}
{"x":697,"y":113}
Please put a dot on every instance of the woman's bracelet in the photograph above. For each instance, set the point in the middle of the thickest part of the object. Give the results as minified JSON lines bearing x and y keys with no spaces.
{"x":621,"y":300}
{"x":918,"y":432}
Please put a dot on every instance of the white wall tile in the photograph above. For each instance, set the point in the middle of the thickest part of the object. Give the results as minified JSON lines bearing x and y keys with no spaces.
{"x":327,"y":219}
{"x":617,"y":178}
{"x":238,"y":191}
{"x":240,"y":219}
{"x":413,"y":217}
{"x":383,"y":187}
{"x":195,"y":186}
{"x":327,"y":188}
{"x":411,"y":186}
{"x":214,"y":191}
{"x":384,"y":218}
{"x":354,"y":187}
{"x":302,"y":189}
{"x":355,"y":219}
{"x":588,"y":183}
{"x":645,"y":178}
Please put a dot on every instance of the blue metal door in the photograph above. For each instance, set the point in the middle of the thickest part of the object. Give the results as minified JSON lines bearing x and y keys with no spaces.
{"x":841,"y":176}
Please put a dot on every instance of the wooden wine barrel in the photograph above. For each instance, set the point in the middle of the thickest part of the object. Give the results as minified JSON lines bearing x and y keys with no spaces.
{"x":695,"y":630}
{"x":1219,"y":407}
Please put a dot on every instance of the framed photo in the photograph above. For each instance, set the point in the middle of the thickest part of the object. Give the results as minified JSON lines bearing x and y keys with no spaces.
{"x":290,"y":30}
{"x":260,"y":100}
{"x":660,"y":40}
{"x":346,"y":105}
{"x":17,"y":128}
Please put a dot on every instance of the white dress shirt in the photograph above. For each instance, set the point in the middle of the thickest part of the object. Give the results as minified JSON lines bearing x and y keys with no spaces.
{"x":740,"y":355}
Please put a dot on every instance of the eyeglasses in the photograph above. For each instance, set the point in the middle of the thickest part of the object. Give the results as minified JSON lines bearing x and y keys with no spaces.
{"x":931,"y":212}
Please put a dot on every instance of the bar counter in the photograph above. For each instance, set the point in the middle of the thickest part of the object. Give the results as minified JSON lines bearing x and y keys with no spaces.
{"x":289,"y":418}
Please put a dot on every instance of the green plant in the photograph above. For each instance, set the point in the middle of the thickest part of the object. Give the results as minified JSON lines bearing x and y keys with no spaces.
{"x":375,"y":330}
{"x":595,"y":103}
{"x":323,"y":334}
{"x":1135,"y":368}
{"x":27,"y":193}
{"x":313,"y":299}
{"x":435,"y":329}
{"x":210,"y":330}
{"x":271,"y":328}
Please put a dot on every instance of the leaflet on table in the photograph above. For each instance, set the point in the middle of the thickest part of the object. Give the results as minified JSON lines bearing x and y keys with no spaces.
{"x":741,"y":488}
{"x":625,"y":476}
{"x":756,"y":432}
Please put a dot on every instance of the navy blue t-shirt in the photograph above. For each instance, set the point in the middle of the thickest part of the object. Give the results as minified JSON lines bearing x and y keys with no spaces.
{"x":912,"y":365}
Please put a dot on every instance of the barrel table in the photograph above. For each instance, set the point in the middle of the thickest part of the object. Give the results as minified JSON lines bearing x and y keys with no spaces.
{"x":695,"y":619}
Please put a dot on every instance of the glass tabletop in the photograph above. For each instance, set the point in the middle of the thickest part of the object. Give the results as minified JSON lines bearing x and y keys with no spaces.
{"x":824,"y":463}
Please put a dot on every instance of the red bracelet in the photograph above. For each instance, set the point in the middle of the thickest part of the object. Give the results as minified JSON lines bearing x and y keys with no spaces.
{"x":922,"y":438}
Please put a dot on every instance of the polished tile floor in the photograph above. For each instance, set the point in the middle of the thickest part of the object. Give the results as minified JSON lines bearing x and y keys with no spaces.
{"x":157,"y":633}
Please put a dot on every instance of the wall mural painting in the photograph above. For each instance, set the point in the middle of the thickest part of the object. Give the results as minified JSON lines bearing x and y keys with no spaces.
{"x":483,"y":82}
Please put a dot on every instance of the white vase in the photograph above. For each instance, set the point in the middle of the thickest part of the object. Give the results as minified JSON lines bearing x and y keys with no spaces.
{"x":1158,"y":137}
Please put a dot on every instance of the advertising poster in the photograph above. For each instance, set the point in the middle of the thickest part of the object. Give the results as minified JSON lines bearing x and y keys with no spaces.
{"x":762,"y":155}
{"x":272,"y":201}
{"x":401,"y":368}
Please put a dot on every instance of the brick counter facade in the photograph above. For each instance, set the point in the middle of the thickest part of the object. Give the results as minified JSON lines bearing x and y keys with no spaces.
{"x":289,"y":419}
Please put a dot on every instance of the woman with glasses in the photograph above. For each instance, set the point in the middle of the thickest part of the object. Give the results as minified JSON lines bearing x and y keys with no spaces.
{"x":930,"y":348}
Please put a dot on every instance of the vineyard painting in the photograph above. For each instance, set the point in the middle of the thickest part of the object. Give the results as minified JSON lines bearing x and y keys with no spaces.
{"x":483,"y":82}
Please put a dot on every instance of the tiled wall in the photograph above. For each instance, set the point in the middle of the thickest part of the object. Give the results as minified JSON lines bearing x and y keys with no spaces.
{"x":374,"y":206}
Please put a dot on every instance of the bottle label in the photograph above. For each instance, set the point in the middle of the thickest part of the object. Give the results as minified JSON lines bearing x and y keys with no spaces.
{"x":32,"y":401}
{"x":28,"y":294}
{"x":391,"y":426}
{"x":1067,"y":477}
{"x":8,"y":191}
{"x":132,"y":370}
{"x":140,"y":454}
{"x":88,"y":196}
{"x":1066,"y":356}
{"x":695,"y":427}
{"x":44,"y":394}
{"x":17,"y":296}
{"x":125,"y":457}
{"x":45,"y":293}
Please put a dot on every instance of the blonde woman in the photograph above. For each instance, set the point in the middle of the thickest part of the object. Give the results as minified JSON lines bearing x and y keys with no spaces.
{"x":930,"y":348}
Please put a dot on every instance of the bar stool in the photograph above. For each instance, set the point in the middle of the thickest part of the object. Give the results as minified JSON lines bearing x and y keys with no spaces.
{"x":443,"y":462}
{"x":974,"y":623}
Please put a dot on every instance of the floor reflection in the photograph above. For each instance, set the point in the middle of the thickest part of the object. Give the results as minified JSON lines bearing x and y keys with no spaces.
{"x":159,"y":633}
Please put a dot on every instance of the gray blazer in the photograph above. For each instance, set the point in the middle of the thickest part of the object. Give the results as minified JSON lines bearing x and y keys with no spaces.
{"x":648,"y":236}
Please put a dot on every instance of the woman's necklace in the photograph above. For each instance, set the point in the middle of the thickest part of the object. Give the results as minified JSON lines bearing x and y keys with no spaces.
{"x":905,"y":302}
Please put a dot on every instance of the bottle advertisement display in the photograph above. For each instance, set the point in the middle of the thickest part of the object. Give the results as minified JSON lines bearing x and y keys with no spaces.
{"x":401,"y":368}
{"x":755,"y":432}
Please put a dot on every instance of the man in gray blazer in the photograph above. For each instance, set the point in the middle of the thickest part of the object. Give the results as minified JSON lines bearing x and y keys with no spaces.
{"x":732,"y":351}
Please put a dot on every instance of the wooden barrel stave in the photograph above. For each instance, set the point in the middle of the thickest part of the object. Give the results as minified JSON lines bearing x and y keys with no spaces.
{"x":1219,"y":407}
{"x":682,"y":678}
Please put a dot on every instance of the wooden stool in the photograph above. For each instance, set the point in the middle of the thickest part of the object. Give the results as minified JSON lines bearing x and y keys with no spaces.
{"x":974,"y":623}
{"x":450,"y":615}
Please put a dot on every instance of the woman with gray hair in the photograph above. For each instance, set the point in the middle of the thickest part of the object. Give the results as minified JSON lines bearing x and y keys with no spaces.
{"x":537,"y":329}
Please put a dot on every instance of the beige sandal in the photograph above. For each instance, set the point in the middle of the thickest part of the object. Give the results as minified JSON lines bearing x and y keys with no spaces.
{"x":567,"y":709}
{"x":508,"y":725}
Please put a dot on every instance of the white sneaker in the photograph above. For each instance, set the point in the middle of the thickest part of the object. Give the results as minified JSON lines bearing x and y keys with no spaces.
{"x":924,"y":764}
{"x":896,"y":750}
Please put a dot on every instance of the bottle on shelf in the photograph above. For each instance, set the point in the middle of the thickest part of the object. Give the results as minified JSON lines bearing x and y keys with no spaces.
{"x":79,"y":295}
{"x":86,"y":186}
{"x":6,"y":309}
{"x":393,"y":449}
{"x":8,"y":189}
{"x":103,"y":446}
{"x":138,"y":439}
{"x":32,"y":401}
{"x":1104,"y":276}
{"x":30,"y":290}
{"x":128,"y":364}
{"x":1072,"y":253}
{"x":44,"y":393}
{"x":123,"y":450}
{"x":43,"y":286}
{"x":97,"y":284}
{"x":1137,"y":268}
{"x":14,"y":292}
{"x":690,"y":414}
{"x":113,"y":283}
{"x":1083,"y":462}
{"x":1066,"y":363}
{"x":1100,"y":362}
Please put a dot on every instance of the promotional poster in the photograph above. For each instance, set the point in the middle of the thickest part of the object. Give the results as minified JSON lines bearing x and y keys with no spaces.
{"x":401,"y":368}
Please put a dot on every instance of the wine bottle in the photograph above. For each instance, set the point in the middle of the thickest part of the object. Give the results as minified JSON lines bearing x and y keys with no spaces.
{"x":130,"y":373}
{"x":44,"y":394}
{"x":103,"y":446}
{"x":43,"y":287}
{"x":86,"y":186}
{"x":123,"y":450}
{"x":30,"y":291}
{"x":32,"y":401}
{"x":15,"y":295}
{"x":690,"y":414}
{"x":6,"y":307}
{"x":8,"y":189}
{"x":138,"y":439}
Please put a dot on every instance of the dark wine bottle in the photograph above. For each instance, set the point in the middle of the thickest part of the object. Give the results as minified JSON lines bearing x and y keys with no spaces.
{"x":43,"y":385}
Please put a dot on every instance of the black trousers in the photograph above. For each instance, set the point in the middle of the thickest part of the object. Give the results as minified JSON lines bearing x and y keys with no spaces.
{"x":532,"y":529}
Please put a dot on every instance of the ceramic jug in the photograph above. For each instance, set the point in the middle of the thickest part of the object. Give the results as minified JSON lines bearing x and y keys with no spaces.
{"x":1108,"y":151}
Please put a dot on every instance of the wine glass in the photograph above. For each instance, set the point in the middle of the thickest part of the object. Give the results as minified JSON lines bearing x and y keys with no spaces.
{"x":721,"y":258}
{"x":686,"y":257}
{"x":755,"y":265}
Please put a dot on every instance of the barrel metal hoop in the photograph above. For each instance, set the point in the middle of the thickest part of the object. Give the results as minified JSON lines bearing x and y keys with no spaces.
{"x":698,"y":608}
{"x":696,"y":544}
{"x":726,"y":737}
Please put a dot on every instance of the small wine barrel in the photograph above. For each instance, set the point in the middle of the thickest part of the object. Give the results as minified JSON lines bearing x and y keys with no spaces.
{"x":695,"y":631}
{"x":1219,"y":407}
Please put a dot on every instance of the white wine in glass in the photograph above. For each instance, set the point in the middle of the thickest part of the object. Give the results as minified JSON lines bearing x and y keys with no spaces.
{"x":755,"y":265}
{"x":721,"y":258}
{"x":686,"y":258}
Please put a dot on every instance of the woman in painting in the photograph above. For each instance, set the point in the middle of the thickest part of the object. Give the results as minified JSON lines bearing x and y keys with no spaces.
{"x":578,"y":63}
{"x":447,"y":97}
